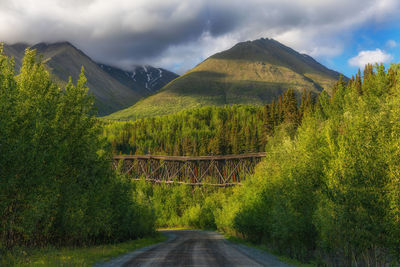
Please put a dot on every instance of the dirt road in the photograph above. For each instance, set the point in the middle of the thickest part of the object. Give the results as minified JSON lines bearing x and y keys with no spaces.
{"x":196,"y":248}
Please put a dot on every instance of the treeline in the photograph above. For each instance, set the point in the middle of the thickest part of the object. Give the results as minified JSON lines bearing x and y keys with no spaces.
{"x":56,"y":184}
{"x":331,"y":189}
{"x":209,"y":130}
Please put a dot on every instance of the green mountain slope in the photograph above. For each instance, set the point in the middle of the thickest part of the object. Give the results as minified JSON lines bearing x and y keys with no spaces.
{"x":253,"y":72}
{"x":111,"y":94}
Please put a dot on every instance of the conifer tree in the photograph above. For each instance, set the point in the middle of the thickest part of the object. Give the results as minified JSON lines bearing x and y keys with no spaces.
{"x":269,"y":123}
{"x":290,"y":109}
{"x":358,"y":83}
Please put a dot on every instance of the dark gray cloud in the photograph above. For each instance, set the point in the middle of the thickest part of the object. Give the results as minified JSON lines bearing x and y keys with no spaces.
{"x":177,"y":34}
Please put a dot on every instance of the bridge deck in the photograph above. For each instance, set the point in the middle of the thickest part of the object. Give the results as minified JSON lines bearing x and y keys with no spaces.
{"x":191,"y":158}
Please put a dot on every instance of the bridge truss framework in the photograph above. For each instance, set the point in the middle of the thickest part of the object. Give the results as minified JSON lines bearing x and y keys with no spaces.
{"x":225,"y":170}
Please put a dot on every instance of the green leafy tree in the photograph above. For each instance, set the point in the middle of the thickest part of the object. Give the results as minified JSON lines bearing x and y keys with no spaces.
{"x":56,"y":182}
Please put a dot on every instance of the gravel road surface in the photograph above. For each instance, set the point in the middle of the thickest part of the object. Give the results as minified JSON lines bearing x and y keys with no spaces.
{"x":195,"y":248}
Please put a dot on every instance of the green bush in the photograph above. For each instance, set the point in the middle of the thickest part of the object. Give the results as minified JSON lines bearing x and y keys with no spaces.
{"x":56,"y":181}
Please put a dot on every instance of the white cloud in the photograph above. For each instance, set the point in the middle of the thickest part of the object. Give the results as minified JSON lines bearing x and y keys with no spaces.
{"x":391,"y":43}
{"x":182,"y":33}
{"x":370,"y":56}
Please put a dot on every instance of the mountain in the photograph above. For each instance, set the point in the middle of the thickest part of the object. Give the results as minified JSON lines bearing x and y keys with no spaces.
{"x":252,"y":72}
{"x":147,"y":79}
{"x":111,"y":92}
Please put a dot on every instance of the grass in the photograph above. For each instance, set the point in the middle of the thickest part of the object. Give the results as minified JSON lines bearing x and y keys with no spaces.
{"x":82,"y":256}
{"x":173,"y":228}
{"x":282,"y":258}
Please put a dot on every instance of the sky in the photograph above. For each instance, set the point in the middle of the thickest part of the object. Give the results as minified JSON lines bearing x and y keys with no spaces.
{"x":343,"y":35}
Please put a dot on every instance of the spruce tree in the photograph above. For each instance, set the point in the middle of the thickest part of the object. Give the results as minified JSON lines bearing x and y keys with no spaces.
{"x":290,"y":109}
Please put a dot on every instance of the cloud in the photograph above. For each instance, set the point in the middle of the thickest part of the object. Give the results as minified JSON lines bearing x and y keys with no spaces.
{"x":177,"y":34}
{"x":370,"y":56}
{"x":391,"y":43}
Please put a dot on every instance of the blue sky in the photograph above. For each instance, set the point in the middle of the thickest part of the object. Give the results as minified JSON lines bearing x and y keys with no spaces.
{"x":177,"y":35}
{"x":369,"y":37}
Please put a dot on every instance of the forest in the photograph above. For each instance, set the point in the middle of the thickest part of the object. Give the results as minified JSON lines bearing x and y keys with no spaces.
{"x":234,"y":129}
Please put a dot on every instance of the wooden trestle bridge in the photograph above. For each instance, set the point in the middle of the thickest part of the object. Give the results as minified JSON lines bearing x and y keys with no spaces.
{"x":203,"y":170}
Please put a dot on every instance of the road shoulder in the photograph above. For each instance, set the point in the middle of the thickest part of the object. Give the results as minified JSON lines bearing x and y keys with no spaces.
{"x":124,"y":258}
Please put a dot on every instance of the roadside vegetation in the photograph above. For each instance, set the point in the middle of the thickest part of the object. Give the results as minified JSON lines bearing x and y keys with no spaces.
{"x":74,"y":256}
{"x":331,"y":190}
{"x":56,"y":185}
